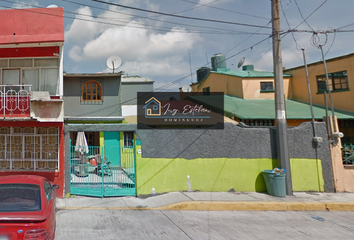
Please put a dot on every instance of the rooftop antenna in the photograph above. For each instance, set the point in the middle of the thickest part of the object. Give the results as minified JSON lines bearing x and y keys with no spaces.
{"x":113,"y":62}
{"x":240,"y":63}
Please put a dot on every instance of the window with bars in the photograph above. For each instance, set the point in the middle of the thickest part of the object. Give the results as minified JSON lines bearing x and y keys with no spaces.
{"x":91,"y":91}
{"x":29,"y":148}
{"x":337,"y":81}
{"x":128,"y":139}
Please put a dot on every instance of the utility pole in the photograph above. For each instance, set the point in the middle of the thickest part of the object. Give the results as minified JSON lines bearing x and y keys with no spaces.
{"x":280,"y":112}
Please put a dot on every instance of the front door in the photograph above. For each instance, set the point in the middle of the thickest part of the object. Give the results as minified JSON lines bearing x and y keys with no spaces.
{"x":112,"y":148}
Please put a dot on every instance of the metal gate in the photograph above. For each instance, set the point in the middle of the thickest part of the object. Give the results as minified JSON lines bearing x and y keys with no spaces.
{"x":103,"y":171}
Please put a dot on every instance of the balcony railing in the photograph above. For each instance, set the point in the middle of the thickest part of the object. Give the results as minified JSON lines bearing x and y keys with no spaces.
{"x":15,"y":100}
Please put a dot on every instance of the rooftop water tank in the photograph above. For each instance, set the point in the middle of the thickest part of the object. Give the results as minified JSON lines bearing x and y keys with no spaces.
{"x":202,"y":73}
{"x":247,"y":68}
{"x":218,"y":61}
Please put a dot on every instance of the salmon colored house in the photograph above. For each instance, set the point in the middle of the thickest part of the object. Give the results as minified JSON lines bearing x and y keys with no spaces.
{"x":341,"y":81}
{"x":31,"y":93}
{"x":249,"y":96}
{"x":340,"y":84}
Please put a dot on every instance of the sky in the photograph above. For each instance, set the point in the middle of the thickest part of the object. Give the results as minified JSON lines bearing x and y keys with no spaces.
{"x":168,"y":40}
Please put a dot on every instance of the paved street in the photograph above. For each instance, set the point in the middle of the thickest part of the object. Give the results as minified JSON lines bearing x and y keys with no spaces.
{"x":115,"y":224}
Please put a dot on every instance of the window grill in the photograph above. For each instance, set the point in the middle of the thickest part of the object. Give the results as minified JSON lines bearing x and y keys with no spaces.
{"x":29,"y":149}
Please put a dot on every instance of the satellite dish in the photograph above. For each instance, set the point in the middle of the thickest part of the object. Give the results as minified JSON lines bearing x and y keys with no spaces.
{"x":113,"y":62}
{"x":52,"y":6}
{"x":186,"y":88}
{"x":240,"y":63}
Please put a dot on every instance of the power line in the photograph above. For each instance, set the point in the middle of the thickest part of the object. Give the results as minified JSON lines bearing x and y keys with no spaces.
{"x":137,"y":25}
{"x":304,"y":20}
{"x":153,"y":19}
{"x":246,"y":39}
{"x":222,"y":9}
{"x":198,"y":6}
{"x":302,"y":15}
{"x":345,"y":26}
{"x":177,"y":16}
{"x":287,"y":22}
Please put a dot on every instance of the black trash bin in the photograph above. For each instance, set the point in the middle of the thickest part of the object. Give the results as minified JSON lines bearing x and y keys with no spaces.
{"x":275,"y":183}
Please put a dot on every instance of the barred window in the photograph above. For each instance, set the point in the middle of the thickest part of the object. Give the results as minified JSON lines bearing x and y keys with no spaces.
{"x":128,"y":139}
{"x":29,"y":148}
{"x":91,"y":91}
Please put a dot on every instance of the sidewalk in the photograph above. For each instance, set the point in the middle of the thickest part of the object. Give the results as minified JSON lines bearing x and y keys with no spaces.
{"x":217,"y":201}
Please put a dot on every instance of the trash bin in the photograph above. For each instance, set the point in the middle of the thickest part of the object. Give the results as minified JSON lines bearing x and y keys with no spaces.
{"x":275,"y":183}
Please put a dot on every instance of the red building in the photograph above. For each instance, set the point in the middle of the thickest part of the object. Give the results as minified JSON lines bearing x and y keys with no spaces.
{"x":31,"y":93}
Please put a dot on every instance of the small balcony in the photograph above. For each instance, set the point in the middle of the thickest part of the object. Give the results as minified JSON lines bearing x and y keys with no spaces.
{"x":20,"y":102}
{"x":15,"y":101}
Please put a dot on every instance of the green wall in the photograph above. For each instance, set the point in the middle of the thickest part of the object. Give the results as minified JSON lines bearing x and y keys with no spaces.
{"x":220,"y":174}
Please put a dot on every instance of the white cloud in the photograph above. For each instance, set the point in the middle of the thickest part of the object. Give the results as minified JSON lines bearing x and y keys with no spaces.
{"x":290,"y":57}
{"x":75,"y":53}
{"x":138,"y":44}
{"x":165,"y":67}
{"x":82,"y":30}
{"x":25,"y":4}
{"x":143,"y":51}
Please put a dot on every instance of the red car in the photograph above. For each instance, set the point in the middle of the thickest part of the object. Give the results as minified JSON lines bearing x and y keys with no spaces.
{"x":27,"y":208}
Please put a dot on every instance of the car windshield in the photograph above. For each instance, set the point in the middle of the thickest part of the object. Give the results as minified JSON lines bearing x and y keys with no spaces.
{"x":19,"y":197}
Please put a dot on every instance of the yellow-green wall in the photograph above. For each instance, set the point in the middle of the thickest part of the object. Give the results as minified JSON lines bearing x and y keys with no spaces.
{"x":220,"y":174}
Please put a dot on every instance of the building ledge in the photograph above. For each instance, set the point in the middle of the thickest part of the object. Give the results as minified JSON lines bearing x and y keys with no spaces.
{"x":93,"y":119}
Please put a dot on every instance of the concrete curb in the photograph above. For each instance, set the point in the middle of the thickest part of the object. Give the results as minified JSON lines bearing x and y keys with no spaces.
{"x":261,"y":206}
{"x":237,"y":206}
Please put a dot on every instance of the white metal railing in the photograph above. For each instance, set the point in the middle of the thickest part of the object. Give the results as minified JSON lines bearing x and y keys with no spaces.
{"x":15,"y":100}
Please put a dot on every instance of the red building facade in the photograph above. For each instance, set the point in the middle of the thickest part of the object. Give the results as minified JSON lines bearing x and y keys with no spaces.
{"x":31,"y":93}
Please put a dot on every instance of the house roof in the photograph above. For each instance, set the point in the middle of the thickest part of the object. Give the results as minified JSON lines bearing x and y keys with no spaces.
{"x":321,"y":62}
{"x":34,"y":25}
{"x":265,"y":109}
{"x":249,"y":74}
{"x":90,"y":75}
{"x":246,"y":72}
{"x":135,"y":79}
